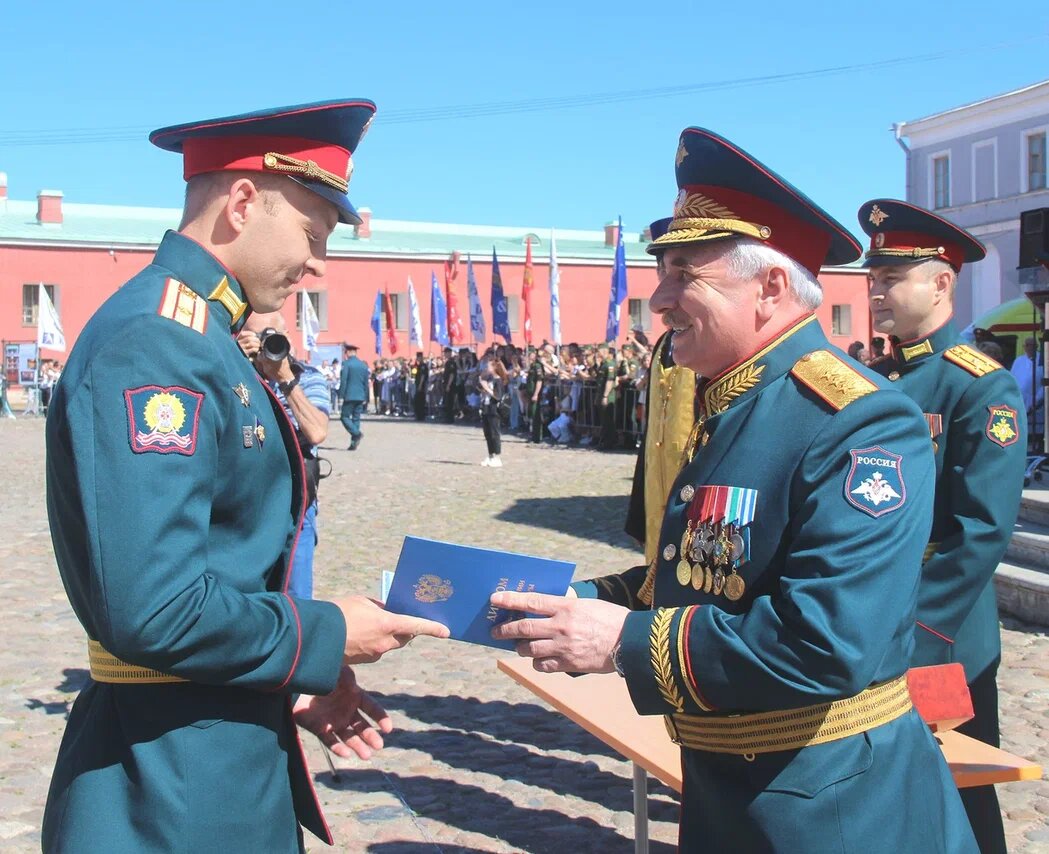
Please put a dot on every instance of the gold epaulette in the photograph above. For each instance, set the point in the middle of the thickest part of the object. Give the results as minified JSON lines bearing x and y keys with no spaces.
{"x":832,"y":379}
{"x":184,"y":305}
{"x":975,"y":362}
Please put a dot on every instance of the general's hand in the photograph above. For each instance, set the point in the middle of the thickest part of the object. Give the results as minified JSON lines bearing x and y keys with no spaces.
{"x":372,"y":631}
{"x":577,"y":636}
{"x":339,"y":721}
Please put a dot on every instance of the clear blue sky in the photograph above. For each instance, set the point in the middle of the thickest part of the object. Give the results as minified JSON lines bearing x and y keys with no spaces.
{"x":134,"y":66}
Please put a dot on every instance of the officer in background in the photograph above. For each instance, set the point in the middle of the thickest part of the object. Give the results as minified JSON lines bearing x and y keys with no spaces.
{"x":534,"y":393}
{"x":448,"y":384}
{"x":790,"y":552}
{"x":604,"y":401}
{"x":302,"y":391}
{"x":421,"y":375}
{"x":670,"y":414}
{"x":175,"y":496}
{"x":353,"y":389}
{"x":978,"y":432}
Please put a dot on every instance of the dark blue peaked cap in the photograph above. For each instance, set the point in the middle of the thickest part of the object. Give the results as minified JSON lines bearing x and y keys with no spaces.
{"x":727,"y":193}
{"x":657,"y":229}
{"x":902,"y":233}
{"x":313,"y":144}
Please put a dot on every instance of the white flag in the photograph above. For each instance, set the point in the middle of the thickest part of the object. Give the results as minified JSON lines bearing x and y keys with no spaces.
{"x":555,"y":294}
{"x":311,"y":324}
{"x":48,"y":331}
{"x":477,"y":325}
{"x":415,"y":324}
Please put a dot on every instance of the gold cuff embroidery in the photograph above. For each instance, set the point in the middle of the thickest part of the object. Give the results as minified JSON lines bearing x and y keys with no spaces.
{"x":659,"y":652}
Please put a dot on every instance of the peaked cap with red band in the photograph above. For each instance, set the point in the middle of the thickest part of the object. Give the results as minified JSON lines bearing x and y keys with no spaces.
{"x":312,"y":144}
{"x":902,"y":233}
{"x":726,"y":193}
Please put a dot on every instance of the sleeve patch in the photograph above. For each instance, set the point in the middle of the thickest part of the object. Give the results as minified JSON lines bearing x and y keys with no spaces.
{"x":1002,"y":428}
{"x":163,"y":419}
{"x":875,"y":481}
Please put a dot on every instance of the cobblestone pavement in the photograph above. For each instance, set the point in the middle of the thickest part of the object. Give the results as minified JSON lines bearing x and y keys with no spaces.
{"x":476,"y":763}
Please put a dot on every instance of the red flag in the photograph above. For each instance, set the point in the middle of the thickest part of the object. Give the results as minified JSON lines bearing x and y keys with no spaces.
{"x":526,"y":292}
{"x":455,"y":323}
{"x":391,"y":331}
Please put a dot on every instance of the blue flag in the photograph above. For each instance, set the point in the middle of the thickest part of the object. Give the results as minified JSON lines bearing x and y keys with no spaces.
{"x":438,"y":313}
{"x":377,"y":323}
{"x":477,"y":326}
{"x":500,"y":313}
{"x":617,"y":293}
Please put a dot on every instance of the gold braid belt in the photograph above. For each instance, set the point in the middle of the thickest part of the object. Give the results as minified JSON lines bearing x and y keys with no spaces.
{"x":769,"y":732}
{"x":109,"y":668}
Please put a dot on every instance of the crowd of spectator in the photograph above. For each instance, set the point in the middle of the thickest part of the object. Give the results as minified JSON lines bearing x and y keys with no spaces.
{"x":589,"y":394}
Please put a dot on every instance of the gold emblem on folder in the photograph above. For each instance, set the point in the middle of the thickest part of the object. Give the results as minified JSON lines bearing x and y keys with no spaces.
{"x":433,"y":588}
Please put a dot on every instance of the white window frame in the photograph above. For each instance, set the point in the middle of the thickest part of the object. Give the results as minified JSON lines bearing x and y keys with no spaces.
{"x":644,"y":315}
{"x":1025,"y":186}
{"x":399,"y":304}
{"x":936,"y":155}
{"x":836,"y":332}
{"x":983,"y":143}
{"x":321,"y":308}
{"x":514,"y":312}
{"x":54,"y":293}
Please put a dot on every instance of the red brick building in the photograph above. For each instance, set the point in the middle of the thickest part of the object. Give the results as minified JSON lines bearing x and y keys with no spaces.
{"x":83,"y":252}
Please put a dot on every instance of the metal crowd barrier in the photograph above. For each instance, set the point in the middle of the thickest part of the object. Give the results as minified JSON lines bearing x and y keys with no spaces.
{"x":615,"y":425}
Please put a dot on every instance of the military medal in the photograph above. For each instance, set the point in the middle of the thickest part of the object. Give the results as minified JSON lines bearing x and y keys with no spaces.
{"x":716,"y":541}
{"x":669,"y":551}
{"x":719,"y":582}
{"x":735,"y":586}
{"x":242,"y":393}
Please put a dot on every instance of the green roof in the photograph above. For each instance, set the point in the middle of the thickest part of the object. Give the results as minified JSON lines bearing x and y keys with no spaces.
{"x":118,"y":226}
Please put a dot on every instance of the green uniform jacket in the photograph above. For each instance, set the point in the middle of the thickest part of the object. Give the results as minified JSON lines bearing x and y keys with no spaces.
{"x":174,"y":493}
{"x":353,"y":379}
{"x":843,"y":475}
{"x":978,"y":428}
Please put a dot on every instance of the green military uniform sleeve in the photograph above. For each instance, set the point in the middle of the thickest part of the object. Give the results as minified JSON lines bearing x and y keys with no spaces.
{"x":817,"y":635}
{"x":982,"y":481}
{"x":621,"y":589}
{"x":156,"y":599}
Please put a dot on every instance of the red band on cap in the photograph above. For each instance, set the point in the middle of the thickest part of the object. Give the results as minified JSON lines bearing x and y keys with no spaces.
{"x":804,"y":242}
{"x":230,"y":153}
{"x":952,"y":253}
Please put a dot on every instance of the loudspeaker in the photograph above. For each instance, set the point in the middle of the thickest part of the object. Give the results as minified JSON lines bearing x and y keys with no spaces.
{"x":1034,"y":236}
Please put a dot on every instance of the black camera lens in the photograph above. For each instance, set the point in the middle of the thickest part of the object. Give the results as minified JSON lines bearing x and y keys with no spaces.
{"x":273,"y":345}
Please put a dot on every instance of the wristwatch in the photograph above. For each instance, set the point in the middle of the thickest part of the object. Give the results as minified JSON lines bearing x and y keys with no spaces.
{"x":616,"y":663}
{"x":285,"y":388}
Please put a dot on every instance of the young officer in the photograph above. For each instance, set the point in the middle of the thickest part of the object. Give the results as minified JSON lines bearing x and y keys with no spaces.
{"x":978,"y":431}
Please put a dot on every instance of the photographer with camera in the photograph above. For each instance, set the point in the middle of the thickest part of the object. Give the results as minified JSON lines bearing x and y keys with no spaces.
{"x":303,"y":392}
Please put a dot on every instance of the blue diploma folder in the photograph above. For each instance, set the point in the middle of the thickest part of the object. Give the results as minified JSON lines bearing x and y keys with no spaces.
{"x":452,"y":584}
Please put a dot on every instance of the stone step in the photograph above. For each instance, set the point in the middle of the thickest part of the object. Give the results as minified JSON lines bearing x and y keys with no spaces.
{"x":1034,"y":505}
{"x":1029,"y":544}
{"x":1023,"y":591}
